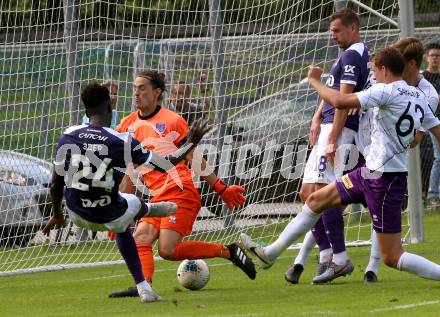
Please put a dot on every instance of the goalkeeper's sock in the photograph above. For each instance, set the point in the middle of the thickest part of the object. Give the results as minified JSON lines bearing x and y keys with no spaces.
{"x":127,"y":248}
{"x":145,"y":252}
{"x":192,"y":250}
{"x":306,"y":247}
{"x":418,"y":265}
{"x":299,"y":225}
{"x":375,"y":255}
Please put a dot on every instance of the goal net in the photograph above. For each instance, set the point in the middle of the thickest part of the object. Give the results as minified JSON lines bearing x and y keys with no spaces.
{"x":245,"y":63}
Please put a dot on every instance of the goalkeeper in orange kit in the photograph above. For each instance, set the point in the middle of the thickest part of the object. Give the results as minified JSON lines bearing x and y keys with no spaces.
{"x":162,"y":130}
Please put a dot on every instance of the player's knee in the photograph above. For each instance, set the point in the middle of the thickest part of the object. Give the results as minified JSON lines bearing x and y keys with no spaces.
{"x":311,"y":200}
{"x":304,"y":194}
{"x":166,"y":252}
{"x":390,"y":260}
{"x":141,"y":237}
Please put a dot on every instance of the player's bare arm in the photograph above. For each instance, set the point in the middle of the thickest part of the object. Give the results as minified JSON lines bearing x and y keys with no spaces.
{"x":333,"y":97}
{"x":417,"y":139}
{"x":127,"y":185}
{"x":56,"y":193}
{"x":315,"y":126}
{"x":338,"y":124}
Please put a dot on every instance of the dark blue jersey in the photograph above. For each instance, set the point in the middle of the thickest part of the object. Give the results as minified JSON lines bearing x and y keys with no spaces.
{"x":352,"y":67}
{"x":93,"y":161}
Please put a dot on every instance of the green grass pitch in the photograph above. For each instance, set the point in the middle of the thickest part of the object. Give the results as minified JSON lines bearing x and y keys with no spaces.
{"x":83,"y":292}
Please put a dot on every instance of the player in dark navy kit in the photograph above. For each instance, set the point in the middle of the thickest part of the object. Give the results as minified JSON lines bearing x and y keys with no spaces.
{"x":332,"y":129}
{"x":90,"y":163}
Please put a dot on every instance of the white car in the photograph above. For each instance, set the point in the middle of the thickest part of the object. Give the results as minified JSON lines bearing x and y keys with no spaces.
{"x":24,"y":197}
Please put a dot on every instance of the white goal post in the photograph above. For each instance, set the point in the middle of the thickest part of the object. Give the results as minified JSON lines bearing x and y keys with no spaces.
{"x":245,"y":63}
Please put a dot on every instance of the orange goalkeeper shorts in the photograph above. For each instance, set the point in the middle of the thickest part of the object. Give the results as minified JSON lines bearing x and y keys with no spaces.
{"x":181,"y":221}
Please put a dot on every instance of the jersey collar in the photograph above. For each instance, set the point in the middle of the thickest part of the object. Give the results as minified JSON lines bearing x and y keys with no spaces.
{"x":151,"y":115}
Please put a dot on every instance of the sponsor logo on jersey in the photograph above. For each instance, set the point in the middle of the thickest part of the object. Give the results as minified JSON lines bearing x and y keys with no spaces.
{"x":349,"y":69}
{"x":347,"y":182}
{"x":160,"y":127}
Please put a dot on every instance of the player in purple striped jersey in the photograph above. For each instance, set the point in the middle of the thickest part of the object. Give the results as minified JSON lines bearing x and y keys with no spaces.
{"x":329,"y":130}
{"x":90,"y":164}
{"x":399,"y":111}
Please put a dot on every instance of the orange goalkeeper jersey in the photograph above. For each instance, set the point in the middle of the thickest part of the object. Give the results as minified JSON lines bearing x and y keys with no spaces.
{"x":162,"y":132}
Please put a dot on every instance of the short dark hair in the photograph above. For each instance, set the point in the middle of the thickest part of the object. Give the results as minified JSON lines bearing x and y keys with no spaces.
{"x":432,"y":46}
{"x":347,"y":17}
{"x":157,"y":79}
{"x":94,"y":95}
{"x":411,"y":48}
{"x":390,"y":58}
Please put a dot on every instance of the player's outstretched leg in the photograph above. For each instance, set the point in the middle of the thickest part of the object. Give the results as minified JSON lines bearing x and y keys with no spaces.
{"x":239,"y":257}
{"x":127,"y":248}
{"x":266,"y":256}
{"x":160,"y":209}
{"x":205,"y":250}
{"x":294,"y":272}
{"x":372,"y":268}
{"x":254,"y":248}
{"x":394,"y":256}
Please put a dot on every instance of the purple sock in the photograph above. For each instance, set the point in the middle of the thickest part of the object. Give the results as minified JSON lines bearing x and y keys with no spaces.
{"x":320,"y":236}
{"x":334,"y":228}
{"x":128,"y":250}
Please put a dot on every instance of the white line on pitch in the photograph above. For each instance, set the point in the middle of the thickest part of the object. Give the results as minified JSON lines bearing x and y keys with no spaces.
{"x":155,"y":271}
{"x":405,"y":306}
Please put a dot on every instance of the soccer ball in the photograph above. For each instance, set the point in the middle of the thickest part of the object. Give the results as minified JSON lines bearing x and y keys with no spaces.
{"x":193,"y":274}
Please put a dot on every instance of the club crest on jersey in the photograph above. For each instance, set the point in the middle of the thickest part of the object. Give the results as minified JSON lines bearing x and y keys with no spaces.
{"x":160,"y":127}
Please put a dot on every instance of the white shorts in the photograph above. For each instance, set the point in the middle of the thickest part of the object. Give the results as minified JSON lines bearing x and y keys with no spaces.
{"x":118,"y":225}
{"x":318,"y":170}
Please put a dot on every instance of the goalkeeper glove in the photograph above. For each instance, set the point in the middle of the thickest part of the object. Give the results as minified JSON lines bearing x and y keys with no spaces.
{"x":232,"y":195}
{"x":111,"y":235}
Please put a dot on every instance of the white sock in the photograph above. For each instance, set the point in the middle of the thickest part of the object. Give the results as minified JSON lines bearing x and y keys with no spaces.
{"x":307,"y":246}
{"x":418,"y":265}
{"x":299,"y":225}
{"x":161,"y":209}
{"x":325,"y":255}
{"x":375,"y":255}
{"x":340,"y":258}
{"x":144,"y":285}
